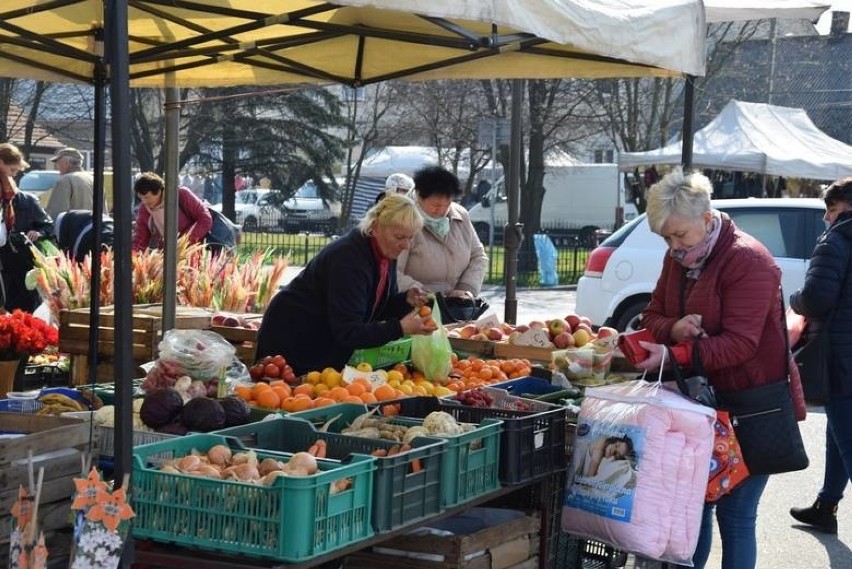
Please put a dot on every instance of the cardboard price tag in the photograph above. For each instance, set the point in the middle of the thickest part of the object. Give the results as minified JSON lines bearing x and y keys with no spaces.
{"x":488,"y":321}
{"x":536,"y":337}
{"x":376,"y":378}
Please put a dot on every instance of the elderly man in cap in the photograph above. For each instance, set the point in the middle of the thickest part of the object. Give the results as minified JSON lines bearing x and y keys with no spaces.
{"x":73,"y":189}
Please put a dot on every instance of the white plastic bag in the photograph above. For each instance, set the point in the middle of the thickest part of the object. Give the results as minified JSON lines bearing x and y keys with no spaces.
{"x":201,"y":354}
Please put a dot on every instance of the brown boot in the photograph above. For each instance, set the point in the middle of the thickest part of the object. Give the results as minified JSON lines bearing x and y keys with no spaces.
{"x":822,"y":517}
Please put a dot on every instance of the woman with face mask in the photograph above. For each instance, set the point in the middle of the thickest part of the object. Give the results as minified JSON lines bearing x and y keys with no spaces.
{"x":447,"y":256}
{"x":719,"y":287}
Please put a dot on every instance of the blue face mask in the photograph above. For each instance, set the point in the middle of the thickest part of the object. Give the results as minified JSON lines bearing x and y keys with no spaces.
{"x":439,"y":225}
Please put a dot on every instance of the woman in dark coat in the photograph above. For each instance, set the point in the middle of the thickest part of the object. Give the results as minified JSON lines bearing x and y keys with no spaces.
{"x":23,"y":222}
{"x":827,"y":290}
{"x":346,"y":297}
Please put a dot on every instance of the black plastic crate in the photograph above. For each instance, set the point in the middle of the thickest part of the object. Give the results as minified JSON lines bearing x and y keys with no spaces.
{"x":578,"y":553}
{"x":532,"y":443}
{"x":45,"y":375}
{"x":401,"y":495}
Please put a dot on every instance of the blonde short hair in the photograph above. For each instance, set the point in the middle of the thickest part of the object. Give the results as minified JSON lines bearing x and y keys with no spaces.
{"x":394,"y":209}
{"x":10,"y":154}
{"x":686,"y":195}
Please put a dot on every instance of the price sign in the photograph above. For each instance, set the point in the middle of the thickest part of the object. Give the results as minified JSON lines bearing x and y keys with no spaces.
{"x":376,"y":378}
{"x":488,"y":321}
{"x":536,"y":337}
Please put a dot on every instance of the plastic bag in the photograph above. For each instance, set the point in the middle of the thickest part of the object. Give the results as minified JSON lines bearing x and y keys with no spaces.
{"x":431,"y":354}
{"x":201,"y":354}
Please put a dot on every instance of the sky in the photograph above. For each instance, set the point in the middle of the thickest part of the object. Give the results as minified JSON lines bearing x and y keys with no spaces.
{"x":824,"y":24}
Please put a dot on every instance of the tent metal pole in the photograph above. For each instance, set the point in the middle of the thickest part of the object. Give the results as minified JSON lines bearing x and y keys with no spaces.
{"x":172,"y":109}
{"x":688,"y":122}
{"x":117,"y":54}
{"x":100,"y":77}
{"x":513,"y":232}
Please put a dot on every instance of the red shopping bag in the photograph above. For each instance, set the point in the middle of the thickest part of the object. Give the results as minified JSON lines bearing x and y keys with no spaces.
{"x":727,"y":467}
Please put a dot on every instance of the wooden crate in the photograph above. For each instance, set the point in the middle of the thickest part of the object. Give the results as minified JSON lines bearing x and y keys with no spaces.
{"x":147,"y":331}
{"x":56,"y":444}
{"x":244,"y":339}
{"x":506,"y":351}
{"x":513,"y":544}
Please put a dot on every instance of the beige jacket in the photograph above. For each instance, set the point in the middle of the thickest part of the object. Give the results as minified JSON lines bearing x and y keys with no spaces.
{"x":457,"y":262}
{"x":71,"y":191}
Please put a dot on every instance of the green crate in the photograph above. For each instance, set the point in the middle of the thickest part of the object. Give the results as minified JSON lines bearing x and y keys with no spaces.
{"x":381,"y":356}
{"x":471,"y":462}
{"x":294,"y":519}
{"x":400,"y":496}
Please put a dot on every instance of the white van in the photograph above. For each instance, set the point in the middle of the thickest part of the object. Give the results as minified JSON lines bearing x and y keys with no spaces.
{"x":579,"y":198}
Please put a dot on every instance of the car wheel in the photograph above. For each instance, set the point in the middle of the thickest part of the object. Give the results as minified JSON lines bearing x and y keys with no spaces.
{"x":630,"y":318}
{"x":250,"y":224}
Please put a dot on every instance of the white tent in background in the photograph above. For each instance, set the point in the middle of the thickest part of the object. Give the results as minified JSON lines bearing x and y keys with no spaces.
{"x":761,"y":138}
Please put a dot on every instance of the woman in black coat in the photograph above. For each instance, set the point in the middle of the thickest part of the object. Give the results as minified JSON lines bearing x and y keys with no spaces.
{"x":22,"y":222}
{"x":346,"y":297}
{"x":828,"y":290}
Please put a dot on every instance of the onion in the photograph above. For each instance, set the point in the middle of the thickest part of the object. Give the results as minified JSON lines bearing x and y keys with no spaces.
{"x":303,"y":460}
{"x":220,"y":455}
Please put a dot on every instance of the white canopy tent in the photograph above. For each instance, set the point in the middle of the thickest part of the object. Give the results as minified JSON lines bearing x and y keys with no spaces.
{"x":760,"y":138}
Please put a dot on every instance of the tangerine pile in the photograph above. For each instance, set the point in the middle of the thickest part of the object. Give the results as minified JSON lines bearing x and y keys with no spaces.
{"x":475,"y":372}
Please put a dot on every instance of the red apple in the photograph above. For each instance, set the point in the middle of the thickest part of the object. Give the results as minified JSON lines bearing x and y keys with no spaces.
{"x":586,"y":320}
{"x":606,"y":332}
{"x":563,"y":340}
{"x":555,"y":327}
{"x":479,"y":336}
{"x":521,"y":328}
{"x":572,"y":320}
{"x":537,"y":324}
{"x":271,"y":370}
{"x":467,"y":331}
{"x":494,"y":334}
{"x":217,"y":319}
{"x":256,"y":372}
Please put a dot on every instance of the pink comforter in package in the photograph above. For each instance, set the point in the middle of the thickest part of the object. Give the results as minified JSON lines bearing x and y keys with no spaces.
{"x":639,"y":472}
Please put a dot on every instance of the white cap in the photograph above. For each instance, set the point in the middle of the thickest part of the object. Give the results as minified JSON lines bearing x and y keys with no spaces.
{"x":402,"y":183}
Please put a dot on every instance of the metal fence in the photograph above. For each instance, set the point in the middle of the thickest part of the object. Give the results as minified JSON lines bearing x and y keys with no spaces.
{"x":571,"y":255}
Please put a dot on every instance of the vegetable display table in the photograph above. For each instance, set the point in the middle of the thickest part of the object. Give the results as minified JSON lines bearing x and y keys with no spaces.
{"x":542,"y":494}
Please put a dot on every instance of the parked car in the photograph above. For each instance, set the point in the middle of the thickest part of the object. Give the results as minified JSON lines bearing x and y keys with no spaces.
{"x":257,"y":210}
{"x":622,"y":272}
{"x":307,"y":211}
{"x":39,"y":183}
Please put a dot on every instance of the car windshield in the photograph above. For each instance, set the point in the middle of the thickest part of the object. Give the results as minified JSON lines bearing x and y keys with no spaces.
{"x":618,"y":237}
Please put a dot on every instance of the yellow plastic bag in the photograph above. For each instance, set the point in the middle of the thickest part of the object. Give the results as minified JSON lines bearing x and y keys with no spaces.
{"x":431,"y":353}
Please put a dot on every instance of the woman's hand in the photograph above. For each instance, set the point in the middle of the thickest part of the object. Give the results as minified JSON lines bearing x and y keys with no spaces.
{"x":416,"y":297}
{"x":687,"y":328}
{"x":657,"y":353}
{"x":33,"y":235}
{"x":413,"y":323}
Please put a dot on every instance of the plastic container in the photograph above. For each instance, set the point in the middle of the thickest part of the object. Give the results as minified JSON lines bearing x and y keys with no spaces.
{"x":402,"y":493}
{"x":294,"y":519}
{"x":574,"y":362}
{"x":534,"y":388}
{"x":532,"y":443}
{"x":28,"y":402}
{"x":471,"y":461}
{"x":382,"y":356}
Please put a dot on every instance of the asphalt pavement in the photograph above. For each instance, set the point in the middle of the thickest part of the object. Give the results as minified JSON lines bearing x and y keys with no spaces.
{"x":782,"y":544}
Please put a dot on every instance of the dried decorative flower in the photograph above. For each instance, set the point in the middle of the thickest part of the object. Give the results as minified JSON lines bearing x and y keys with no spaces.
{"x":88,"y":490}
{"x":110,"y":509}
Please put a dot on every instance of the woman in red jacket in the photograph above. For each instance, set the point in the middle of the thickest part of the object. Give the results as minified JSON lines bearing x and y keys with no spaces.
{"x":720,"y":285}
{"x":194,"y":219}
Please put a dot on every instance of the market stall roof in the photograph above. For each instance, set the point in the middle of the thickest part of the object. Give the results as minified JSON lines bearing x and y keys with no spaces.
{"x":761,"y":138}
{"x":238,"y":42}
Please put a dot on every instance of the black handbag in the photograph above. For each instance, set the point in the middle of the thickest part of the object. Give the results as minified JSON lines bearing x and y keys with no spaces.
{"x":455,"y":309}
{"x":813,"y":359}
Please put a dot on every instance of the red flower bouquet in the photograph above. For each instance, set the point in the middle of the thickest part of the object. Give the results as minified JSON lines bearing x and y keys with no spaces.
{"x":22,"y":334}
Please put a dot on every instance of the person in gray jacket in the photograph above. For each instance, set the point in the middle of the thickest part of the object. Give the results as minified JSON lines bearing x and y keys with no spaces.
{"x":73,"y":189}
{"x":447,"y":256}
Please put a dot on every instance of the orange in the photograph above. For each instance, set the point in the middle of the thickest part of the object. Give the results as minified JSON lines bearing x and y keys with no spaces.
{"x":283,"y":391}
{"x":258,"y":388}
{"x":355,"y":389}
{"x":287,"y":404}
{"x":243,"y":392}
{"x":301,"y":403}
{"x":365,"y":382}
{"x":390,"y":410}
{"x":368,"y":397}
{"x":323,"y":402}
{"x":352,"y":399}
{"x":313,"y":377}
{"x":275,"y":382}
{"x":304,"y":389}
{"x":268,"y":399}
{"x":384,"y":392}
{"x":337,"y":393}
{"x":454,"y":358}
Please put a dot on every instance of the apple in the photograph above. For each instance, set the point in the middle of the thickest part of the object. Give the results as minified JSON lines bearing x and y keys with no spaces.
{"x":537,"y":324}
{"x":507,"y":328}
{"x":584,"y":326}
{"x":586,"y":320}
{"x":555,"y":327}
{"x":217,"y":319}
{"x":572,"y":320}
{"x":453,"y":334}
{"x":231,"y":322}
{"x":494,"y":334}
{"x":272,"y":371}
{"x":521,"y":328}
{"x":606,"y":332}
{"x":581,"y":337}
{"x":563,"y":340}
{"x":467,"y":331}
{"x":256,"y":372}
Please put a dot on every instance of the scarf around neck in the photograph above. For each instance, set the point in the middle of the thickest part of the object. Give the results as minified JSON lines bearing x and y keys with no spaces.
{"x":693,"y":259}
{"x":6,"y":197}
